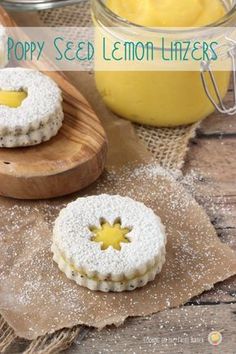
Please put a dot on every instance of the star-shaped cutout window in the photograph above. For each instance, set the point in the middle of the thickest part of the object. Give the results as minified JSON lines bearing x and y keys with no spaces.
{"x":110,"y":235}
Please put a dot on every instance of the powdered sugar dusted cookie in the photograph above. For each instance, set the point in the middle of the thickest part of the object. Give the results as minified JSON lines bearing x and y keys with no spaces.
{"x":30,"y":107}
{"x":109,"y":243}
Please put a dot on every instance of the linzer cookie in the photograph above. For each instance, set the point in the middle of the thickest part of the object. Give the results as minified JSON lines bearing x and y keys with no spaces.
{"x":109,"y":243}
{"x":30,"y":107}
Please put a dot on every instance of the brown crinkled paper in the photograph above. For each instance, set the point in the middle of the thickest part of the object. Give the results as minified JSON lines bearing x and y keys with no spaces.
{"x":36,"y":299}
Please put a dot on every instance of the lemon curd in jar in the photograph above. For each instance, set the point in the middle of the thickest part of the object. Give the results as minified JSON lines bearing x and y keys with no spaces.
{"x":154,"y":97}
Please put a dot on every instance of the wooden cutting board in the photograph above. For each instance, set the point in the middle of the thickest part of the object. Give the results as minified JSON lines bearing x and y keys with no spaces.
{"x":68,"y":162}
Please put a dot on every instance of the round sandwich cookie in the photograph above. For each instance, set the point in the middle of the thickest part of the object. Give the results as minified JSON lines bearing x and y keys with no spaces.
{"x":30,"y":107}
{"x":109,"y":243}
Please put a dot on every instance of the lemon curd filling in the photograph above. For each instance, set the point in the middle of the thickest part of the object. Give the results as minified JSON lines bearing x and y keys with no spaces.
{"x":95,"y":278}
{"x":110,"y":235}
{"x":162,"y":98}
{"x":168,"y":13}
{"x":12,"y":99}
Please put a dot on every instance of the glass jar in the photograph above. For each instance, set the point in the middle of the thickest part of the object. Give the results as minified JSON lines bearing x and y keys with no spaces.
{"x":33,"y":5}
{"x":161,"y":98}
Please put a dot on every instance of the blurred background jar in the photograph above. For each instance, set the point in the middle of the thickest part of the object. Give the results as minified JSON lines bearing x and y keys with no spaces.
{"x":31,"y":5}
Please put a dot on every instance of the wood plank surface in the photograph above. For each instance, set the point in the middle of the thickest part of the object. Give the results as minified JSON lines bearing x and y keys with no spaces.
{"x":212,"y":156}
{"x":185,"y":330}
{"x":218,"y":124}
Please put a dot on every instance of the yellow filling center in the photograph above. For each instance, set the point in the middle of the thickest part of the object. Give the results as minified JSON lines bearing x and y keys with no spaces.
{"x":110,"y":235}
{"x":96,"y":278}
{"x":160,"y":98}
{"x":168,"y":13}
{"x":12,"y":99}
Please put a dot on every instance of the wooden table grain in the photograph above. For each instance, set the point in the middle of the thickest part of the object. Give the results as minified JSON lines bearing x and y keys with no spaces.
{"x":212,"y":154}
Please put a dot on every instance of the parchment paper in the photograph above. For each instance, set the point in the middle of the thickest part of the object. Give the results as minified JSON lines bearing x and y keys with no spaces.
{"x":36,"y":298}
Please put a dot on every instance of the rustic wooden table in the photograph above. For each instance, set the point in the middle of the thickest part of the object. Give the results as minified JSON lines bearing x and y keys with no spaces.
{"x":212,"y":155}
